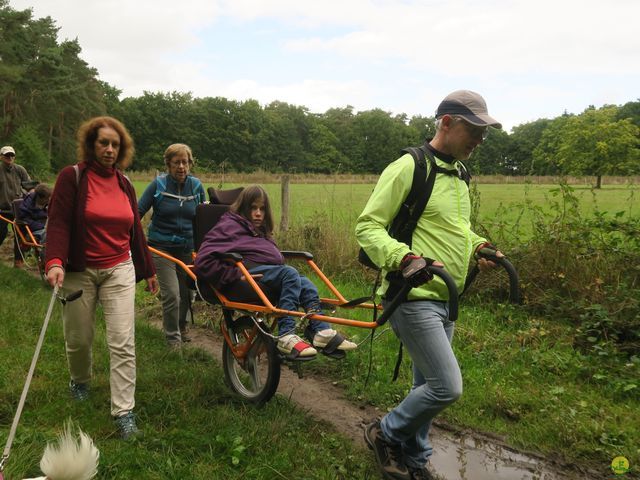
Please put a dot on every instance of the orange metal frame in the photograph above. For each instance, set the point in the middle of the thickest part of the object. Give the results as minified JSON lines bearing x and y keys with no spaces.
{"x":268,"y":308}
{"x":26,"y":240}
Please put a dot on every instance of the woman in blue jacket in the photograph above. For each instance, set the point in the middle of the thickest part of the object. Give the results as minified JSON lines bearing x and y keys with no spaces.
{"x":174,"y":197}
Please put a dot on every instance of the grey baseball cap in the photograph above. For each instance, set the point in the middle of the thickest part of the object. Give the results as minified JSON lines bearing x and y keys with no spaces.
{"x":7,"y":149}
{"x":469,"y":105}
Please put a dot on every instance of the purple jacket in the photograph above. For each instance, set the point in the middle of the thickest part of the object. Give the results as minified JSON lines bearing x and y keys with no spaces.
{"x":31,"y":214}
{"x":233,"y":233}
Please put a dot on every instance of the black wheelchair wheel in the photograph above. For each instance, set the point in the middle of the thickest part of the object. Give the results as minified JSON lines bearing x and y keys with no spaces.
{"x":256,"y":376}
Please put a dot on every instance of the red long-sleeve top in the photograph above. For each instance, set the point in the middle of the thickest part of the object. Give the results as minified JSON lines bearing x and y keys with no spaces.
{"x":94,"y":221}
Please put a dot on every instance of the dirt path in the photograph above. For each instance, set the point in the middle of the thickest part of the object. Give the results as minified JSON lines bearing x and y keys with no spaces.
{"x":459,"y":455}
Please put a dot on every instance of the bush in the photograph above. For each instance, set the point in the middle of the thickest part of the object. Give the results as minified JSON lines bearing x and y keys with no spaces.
{"x":585,"y":270}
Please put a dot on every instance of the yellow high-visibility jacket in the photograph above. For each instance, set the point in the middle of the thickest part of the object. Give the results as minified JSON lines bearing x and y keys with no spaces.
{"x":443,"y":231}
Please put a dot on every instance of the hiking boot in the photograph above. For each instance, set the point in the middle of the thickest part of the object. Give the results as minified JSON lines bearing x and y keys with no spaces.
{"x":127,"y":425}
{"x":184,"y":335}
{"x":423,"y":473}
{"x":79,"y":391}
{"x":388,"y":455}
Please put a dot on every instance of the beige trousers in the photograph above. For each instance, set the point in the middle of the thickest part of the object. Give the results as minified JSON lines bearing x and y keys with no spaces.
{"x":114,"y":288}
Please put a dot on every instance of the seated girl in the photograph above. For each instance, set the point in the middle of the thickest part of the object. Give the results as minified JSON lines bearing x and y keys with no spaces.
{"x":247,"y":229}
{"x":33,"y":210}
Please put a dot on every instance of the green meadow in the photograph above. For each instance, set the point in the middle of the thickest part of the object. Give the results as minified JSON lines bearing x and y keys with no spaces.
{"x":342,"y":202}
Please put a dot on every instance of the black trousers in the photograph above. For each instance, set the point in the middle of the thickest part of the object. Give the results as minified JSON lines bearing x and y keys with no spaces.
{"x":4,"y":229}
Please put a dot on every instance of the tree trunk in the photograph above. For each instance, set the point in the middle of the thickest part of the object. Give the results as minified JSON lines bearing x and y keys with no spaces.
{"x":50,"y":143}
{"x":599,"y":181}
{"x":284,"y":194}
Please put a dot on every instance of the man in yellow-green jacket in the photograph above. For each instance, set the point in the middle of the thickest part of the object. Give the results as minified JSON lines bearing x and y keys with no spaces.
{"x":442,"y":236}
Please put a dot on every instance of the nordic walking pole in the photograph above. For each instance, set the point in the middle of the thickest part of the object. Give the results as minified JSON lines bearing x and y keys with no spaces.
{"x":27,"y":383}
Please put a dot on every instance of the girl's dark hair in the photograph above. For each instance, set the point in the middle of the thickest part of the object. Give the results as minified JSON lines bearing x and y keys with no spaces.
{"x":242,"y":206}
{"x":42,"y":191}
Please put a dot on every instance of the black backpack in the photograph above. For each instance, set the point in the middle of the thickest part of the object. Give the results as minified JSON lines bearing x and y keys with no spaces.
{"x":404,"y":223}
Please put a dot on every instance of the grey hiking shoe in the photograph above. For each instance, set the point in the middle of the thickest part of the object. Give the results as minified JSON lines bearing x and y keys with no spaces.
{"x":388,"y":455}
{"x":184,"y":335}
{"x":79,"y":391}
{"x":127,"y":425}
{"x":423,"y":473}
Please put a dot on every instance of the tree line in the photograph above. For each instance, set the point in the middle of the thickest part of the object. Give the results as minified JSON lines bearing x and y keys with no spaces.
{"x":48,"y":90}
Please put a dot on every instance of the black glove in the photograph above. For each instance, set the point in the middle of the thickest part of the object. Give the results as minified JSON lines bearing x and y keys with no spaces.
{"x":415,"y":269}
{"x":486,"y":250}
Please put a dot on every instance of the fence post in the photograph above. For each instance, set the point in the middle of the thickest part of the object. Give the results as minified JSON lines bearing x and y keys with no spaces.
{"x":284,"y":201}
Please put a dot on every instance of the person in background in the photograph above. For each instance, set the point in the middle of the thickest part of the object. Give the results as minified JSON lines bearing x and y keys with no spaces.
{"x":247,"y":229}
{"x":174,"y":197}
{"x":95,"y":243}
{"x":33,"y":210}
{"x":11,"y":178}
{"x":400,"y":440}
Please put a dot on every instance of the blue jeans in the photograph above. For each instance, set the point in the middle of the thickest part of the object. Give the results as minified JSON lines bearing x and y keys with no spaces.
{"x":424,"y":329}
{"x":295,"y":290}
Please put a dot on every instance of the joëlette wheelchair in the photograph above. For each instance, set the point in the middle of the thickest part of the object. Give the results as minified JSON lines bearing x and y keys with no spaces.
{"x":31,"y":249}
{"x":251,"y":360}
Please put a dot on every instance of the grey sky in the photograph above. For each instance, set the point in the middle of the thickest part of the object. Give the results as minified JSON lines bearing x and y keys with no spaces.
{"x":529,"y":59}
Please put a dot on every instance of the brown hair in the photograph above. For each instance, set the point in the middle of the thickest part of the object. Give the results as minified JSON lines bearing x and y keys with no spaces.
{"x":242,"y":206}
{"x":88,"y":133}
{"x":42,"y":191}
{"x":175,"y":149}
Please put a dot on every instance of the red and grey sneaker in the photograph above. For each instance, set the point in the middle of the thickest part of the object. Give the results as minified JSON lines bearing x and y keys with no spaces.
{"x":293,"y":347}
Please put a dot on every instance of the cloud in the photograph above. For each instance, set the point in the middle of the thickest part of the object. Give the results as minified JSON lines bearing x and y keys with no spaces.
{"x":527,"y":58}
{"x":498,"y":37}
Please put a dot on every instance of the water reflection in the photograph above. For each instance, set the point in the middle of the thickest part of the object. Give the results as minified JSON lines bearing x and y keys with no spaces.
{"x":463,"y":457}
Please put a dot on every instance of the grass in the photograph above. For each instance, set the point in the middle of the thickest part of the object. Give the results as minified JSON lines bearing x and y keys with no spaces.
{"x":194,"y":428}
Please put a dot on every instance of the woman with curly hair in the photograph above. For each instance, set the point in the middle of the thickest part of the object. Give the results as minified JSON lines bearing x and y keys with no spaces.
{"x":95,"y":243}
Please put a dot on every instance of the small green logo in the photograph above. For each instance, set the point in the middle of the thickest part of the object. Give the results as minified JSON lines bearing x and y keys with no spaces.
{"x":620,"y":465}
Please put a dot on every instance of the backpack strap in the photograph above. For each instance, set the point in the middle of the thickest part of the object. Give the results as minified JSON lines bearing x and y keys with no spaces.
{"x":77,"y":170}
{"x":463,"y":173}
{"x":419,"y":195}
{"x":161,"y":186}
{"x":161,"y":191}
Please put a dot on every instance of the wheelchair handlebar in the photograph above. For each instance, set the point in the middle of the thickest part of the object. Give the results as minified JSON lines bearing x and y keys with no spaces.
{"x":402,"y":294}
{"x":514,"y":282}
